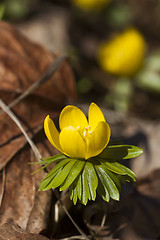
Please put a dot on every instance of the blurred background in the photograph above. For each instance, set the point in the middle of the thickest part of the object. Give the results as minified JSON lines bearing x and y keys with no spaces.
{"x":113,"y":47}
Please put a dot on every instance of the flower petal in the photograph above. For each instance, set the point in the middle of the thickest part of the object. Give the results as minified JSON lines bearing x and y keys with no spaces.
{"x":72,"y":116}
{"x":98,"y":139}
{"x":72,"y":143}
{"x":52,"y":133}
{"x":95,"y":115}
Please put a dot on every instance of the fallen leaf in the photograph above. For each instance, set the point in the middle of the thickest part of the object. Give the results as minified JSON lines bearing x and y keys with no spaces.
{"x":40,"y":212}
{"x":2,"y":184}
{"x":22,"y":63}
{"x":19,"y":192}
{"x":14,"y":232}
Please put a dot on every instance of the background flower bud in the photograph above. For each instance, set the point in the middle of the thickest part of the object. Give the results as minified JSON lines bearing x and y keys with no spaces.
{"x":124,"y":54}
{"x":89,"y":5}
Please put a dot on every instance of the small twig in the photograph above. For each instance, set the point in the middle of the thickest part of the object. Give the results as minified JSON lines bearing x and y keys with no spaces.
{"x":3,"y":185}
{"x":73,"y":238}
{"x":7,"y":110}
{"x":67,"y":213}
{"x":95,"y":234}
{"x":103,"y":220}
{"x":52,"y":69}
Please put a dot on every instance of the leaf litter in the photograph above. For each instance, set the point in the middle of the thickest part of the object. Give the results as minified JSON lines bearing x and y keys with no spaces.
{"x":20,"y":59}
{"x":135,"y":217}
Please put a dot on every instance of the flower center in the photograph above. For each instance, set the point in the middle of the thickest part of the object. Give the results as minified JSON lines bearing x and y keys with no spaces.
{"x":85,"y":132}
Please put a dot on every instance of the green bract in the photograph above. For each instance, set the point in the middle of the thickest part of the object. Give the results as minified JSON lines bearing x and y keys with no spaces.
{"x":103,"y":173}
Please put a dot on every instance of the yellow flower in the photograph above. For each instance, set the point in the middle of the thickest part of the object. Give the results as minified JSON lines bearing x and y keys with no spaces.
{"x":124,"y":54}
{"x":79,"y":137}
{"x":88,"y":5}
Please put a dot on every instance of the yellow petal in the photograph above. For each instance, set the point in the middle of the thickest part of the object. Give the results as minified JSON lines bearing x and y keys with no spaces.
{"x":52,"y":133}
{"x":95,"y":115}
{"x":72,"y":116}
{"x":72,"y":143}
{"x":98,"y":139}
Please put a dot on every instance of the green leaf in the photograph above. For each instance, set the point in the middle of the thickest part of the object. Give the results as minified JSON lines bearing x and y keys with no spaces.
{"x":92,"y":179}
{"x":120,"y":96}
{"x":119,"y":152}
{"x":124,"y":178}
{"x":50,"y":160}
{"x":85,"y":185}
{"x":40,"y":169}
{"x":119,"y":15}
{"x":79,"y":187}
{"x":75,"y":196}
{"x":85,"y":188}
{"x":108,"y":182}
{"x":148,"y":77}
{"x":114,"y":178}
{"x":102,"y":189}
{"x":111,"y":167}
{"x":45,"y":182}
{"x":2,"y":10}
{"x":75,"y":189}
{"x":71,"y":190}
{"x":149,"y":81}
{"x":59,"y":165}
{"x":128,"y":171}
{"x":61,"y":176}
{"x":76,"y":169}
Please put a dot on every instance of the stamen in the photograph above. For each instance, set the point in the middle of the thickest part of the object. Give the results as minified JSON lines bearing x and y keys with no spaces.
{"x":84,"y":132}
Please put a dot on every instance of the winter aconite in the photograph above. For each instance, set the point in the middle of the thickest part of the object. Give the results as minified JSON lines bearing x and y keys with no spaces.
{"x":87,"y":163}
{"x":91,"y":5}
{"x":124,"y":54}
{"x":79,"y":137}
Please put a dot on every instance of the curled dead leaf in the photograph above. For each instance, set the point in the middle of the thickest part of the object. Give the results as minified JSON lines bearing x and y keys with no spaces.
{"x":14,"y":232}
{"x":22,"y":63}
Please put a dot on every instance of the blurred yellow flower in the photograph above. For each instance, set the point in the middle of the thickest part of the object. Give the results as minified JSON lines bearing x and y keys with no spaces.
{"x":79,"y":137}
{"x":124,"y":54}
{"x":88,"y":5}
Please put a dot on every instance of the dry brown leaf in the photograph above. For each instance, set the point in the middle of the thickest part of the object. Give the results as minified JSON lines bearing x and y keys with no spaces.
{"x":40,"y":212}
{"x":22,"y":63}
{"x":2,"y":184}
{"x":10,"y":231}
{"x":19,"y":191}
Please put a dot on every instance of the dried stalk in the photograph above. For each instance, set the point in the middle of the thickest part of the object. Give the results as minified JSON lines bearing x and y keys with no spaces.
{"x":7,"y":110}
{"x":51,"y":71}
{"x":73,"y":238}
